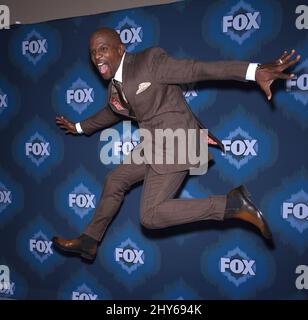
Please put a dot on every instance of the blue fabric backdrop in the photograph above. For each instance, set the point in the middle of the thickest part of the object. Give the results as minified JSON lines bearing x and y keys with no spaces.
{"x":50,"y":182}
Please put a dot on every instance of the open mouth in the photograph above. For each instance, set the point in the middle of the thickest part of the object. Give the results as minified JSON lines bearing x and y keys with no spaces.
{"x":103,"y":67}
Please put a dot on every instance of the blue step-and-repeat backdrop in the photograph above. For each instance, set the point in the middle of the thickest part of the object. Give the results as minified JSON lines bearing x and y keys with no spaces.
{"x":50,"y":182}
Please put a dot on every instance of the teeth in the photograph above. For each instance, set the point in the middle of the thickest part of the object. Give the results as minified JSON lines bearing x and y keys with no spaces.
{"x":100,"y":64}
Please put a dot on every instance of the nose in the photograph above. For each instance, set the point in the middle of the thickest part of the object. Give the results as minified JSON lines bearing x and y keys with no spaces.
{"x":98,"y":55}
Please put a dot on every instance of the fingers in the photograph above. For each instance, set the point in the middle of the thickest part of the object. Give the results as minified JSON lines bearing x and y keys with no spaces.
{"x":268,"y":92}
{"x":272,"y":71}
{"x":66,"y":125}
{"x":60,"y":120}
{"x":288,"y":56}
{"x":292,"y":62}
{"x":63,"y":126}
{"x":69,"y":131}
{"x":285,"y":76}
{"x":281,"y":59}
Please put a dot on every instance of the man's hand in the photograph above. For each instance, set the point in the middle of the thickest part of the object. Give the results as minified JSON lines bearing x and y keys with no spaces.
{"x":67,"y":125}
{"x":267,"y":73}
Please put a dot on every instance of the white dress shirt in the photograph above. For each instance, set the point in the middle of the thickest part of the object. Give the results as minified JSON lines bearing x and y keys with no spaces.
{"x":250,"y":75}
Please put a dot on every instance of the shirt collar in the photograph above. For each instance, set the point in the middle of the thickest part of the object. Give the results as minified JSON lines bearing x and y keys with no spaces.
{"x":118,"y":75}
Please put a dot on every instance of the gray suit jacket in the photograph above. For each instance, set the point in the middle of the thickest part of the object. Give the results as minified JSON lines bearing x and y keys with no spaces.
{"x":162,"y":105}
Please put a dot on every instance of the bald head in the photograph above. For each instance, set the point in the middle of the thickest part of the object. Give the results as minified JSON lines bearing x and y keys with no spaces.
{"x":106,"y":50}
{"x":107,"y":33}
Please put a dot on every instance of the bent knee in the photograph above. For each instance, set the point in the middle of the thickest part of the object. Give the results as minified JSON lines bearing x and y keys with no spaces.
{"x":146,"y":219}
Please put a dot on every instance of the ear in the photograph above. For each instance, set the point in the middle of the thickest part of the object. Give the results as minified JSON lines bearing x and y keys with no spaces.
{"x":121,"y":49}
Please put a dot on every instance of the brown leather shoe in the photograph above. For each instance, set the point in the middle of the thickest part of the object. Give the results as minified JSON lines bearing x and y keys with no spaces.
{"x":83,"y":245}
{"x":240,"y":206}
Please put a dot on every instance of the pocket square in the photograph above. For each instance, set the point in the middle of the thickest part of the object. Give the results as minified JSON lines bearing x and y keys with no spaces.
{"x":143,"y":86}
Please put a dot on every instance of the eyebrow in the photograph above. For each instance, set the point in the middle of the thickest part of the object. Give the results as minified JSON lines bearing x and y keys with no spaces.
{"x":99,"y":45}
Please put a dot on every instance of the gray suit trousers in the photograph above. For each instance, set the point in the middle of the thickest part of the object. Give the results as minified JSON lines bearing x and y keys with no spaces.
{"x":158,"y":208}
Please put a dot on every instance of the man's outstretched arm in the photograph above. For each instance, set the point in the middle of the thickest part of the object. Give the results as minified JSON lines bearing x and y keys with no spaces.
{"x":170,"y":70}
{"x":104,"y":118}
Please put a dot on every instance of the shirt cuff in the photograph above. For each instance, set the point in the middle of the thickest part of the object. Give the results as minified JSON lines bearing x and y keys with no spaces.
{"x":78,"y":128}
{"x":251,"y":71}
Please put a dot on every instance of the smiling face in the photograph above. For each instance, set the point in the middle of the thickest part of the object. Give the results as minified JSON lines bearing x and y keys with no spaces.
{"x":106,"y":51}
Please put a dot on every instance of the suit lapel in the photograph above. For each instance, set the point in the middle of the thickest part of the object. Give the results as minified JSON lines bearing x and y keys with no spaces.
{"x":128,"y":67}
{"x":109,"y":91}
